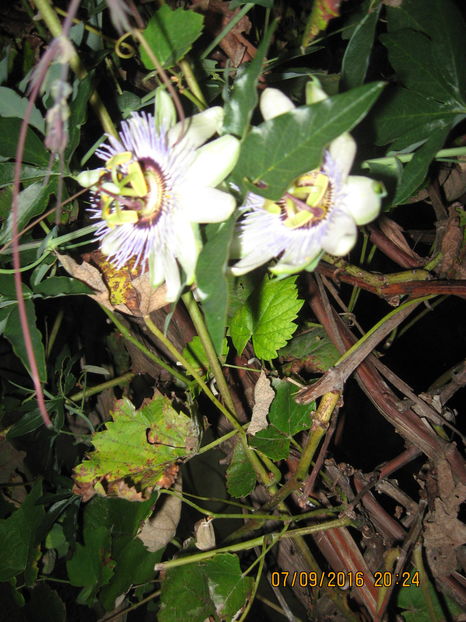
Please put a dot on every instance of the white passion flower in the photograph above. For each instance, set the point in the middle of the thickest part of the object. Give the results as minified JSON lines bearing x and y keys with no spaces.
{"x":319,"y":212}
{"x":158,"y":182}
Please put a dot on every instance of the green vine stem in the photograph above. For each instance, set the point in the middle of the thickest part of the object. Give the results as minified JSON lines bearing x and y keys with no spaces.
{"x":199,"y":324}
{"x":53,"y":24}
{"x":108,"y":384}
{"x":249,"y":544}
{"x":320,"y":423}
{"x":454,"y":152}
{"x":192,"y":83}
{"x":54,"y":332}
{"x":254,"y":460}
{"x":150,"y":355}
{"x":399,"y":311}
{"x":190,"y":369}
{"x":265,"y":548}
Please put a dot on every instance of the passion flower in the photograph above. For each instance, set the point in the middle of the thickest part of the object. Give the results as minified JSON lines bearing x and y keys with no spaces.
{"x":157,"y":183}
{"x":319,"y":212}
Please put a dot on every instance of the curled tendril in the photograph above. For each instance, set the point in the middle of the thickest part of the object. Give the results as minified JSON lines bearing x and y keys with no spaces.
{"x":121,"y":45}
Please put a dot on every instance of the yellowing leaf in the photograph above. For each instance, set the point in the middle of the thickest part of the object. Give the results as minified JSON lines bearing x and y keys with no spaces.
{"x":138,"y":451}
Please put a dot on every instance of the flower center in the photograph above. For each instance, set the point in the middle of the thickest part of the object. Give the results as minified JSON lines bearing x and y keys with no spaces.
{"x":306,"y":203}
{"x":132,"y":191}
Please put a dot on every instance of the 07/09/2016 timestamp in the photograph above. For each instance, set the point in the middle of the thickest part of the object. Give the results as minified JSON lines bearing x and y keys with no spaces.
{"x":344,"y":580}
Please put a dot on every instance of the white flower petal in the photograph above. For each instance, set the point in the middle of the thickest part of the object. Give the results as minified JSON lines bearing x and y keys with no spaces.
{"x":213,"y":162}
{"x":362,"y":198}
{"x":198,"y":128}
{"x":251,"y":262}
{"x":206,"y":204}
{"x":156,"y":268}
{"x":273,"y":103}
{"x":340,"y":236}
{"x":342,"y":151}
{"x":110,"y":243}
{"x":187,"y":247}
{"x":164,"y":112}
{"x":314,"y":92}
{"x":172,"y":277}
{"x":301,"y":251}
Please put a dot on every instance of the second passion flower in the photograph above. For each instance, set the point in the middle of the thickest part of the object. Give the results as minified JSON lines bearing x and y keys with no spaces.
{"x":319,"y":212}
{"x":158,"y":182}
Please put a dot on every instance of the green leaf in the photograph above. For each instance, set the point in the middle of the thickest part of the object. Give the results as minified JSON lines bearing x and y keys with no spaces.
{"x":78,"y":113}
{"x":34,"y":150}
{"x":91,"y":565}
{"x":241,"y":328}
{"x":243,"y":100}
{"x":138,"y":445}
{"x":286,"y":418}
{"x":61,"y":286}
{"x":185,"y":596}
{"x":128,"y":102}
{"x":227,"y":583}
{"x":13,"y":105}
{"x":214,"y":588}
{"x":272,"y":443}
{"x":414,"y":172}
{"x":30,"y":421}
{"x":170,"y":34}
{"x":279,"y":150}
{"x":195,"y":354}
{"x":285,"y":414}
{"x":312,"y":348}
{"x":28,"y":173}
{"x":134,"y":565}
{"x":45,"y":604}
{"x":443,"y":22}
{"x":18,"y":535}
{"x":241,"y":478}
{"x":268,"y":316}
{"x":111,"y":559}
{"x":410,"y":118}
{"x":418,"y":609}
{"x":12,"y":330}
{"x":358,"y":51}
{"x":32,"y":201}
{"x":411,"y":56}
{"x":211,"y":278}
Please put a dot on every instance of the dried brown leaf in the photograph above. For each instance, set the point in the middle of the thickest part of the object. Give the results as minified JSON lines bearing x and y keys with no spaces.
{"x":455,"y":184}
{"x":453,"y":264}
{"x":394,"y":232}
{"x":263,"y":397}
{"x":134,"y":296}
{"x":160,"y":528}
{"x":445,"y":533}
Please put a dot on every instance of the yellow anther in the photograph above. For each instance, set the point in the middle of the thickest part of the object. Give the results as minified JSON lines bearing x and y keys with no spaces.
{"x":118,"y":159}
{"x":271,"y":207}
{"x":318,"y":190}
